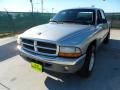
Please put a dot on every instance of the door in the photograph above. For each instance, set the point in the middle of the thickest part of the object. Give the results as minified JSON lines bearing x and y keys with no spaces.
{"x":101,"y":25}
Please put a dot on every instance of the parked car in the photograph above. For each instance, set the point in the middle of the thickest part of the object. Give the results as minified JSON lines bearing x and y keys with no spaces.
{"x":68,"y":43}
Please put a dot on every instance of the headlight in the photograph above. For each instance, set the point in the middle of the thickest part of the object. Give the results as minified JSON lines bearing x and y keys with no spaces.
{"x":71,"y":52}
{"x":19,"y":40}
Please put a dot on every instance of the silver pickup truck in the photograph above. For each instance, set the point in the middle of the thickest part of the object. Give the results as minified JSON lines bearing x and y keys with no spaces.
{"x":68,"y":43}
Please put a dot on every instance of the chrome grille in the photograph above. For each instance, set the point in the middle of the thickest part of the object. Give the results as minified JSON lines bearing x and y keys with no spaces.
{"x":39,"y":47}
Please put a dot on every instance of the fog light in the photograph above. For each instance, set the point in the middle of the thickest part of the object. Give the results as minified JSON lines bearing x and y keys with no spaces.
{"x":66,"y":68}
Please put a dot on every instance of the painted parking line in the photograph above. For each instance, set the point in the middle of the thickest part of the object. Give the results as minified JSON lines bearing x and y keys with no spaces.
{"x":4,"y":41}
{"x":3,"y":87}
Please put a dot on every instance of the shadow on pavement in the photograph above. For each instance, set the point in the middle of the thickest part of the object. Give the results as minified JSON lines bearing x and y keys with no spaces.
{"x":114,"y":44}
{"x":105,"y":76}
{"x":8,"y":50}
{"x":63,"y":81}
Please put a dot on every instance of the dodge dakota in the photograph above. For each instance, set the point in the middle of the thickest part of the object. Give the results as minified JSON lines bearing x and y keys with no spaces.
{"x":68,"y":43}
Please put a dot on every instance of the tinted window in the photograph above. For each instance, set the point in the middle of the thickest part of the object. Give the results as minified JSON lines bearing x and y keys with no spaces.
{"x":85,"y":17}
{"x":102,"y":14}
{"x":99,"y":17}
{"x":80,"y":16}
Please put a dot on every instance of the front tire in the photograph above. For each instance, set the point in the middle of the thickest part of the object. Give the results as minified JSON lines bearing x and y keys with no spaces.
{"x":89,"y":62}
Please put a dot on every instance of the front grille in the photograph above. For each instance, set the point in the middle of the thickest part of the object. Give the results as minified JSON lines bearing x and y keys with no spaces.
{"x":39,"y":47}
{"x":28,"y":47}
{"x":28,"y":41}
{"x":44,"y":44}
{"x":46,"y":51}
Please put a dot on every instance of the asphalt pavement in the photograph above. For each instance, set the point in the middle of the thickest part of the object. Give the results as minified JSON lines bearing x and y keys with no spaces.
{"x":16,"y":73}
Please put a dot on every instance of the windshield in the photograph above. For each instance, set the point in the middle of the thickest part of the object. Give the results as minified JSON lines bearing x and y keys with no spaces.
{"x":81,"y":16}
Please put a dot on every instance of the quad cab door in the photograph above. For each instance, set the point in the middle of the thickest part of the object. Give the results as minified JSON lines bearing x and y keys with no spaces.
{"x":102,"y":25}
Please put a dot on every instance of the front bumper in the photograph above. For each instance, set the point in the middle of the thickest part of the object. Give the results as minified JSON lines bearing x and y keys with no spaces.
{"x":57,"y":64}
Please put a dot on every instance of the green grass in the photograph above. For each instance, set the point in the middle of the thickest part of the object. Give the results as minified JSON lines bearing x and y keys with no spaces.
{"x":6,"y":35}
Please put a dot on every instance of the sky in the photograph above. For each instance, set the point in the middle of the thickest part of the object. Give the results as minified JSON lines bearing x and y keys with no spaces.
{"x":57,"y":5}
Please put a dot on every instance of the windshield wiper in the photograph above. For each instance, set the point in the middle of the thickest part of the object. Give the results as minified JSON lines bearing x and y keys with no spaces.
{"x":61,"y":21}
{"x":68,"y":21}
{"x":56,"y":21}
{"x":53,"y":21}
{"x":73,"y":22}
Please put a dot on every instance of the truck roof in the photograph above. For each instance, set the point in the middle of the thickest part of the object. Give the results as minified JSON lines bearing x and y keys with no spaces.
{"x":91,"y":8}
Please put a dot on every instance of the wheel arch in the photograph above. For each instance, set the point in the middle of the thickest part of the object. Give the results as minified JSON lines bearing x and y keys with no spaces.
{"x":93,"y":43}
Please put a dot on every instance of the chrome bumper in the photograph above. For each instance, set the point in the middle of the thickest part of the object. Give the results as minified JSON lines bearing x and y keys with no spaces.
{"x":58,"y":63}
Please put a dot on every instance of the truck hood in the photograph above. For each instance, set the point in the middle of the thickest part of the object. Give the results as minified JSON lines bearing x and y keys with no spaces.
{"x":61,"y":33}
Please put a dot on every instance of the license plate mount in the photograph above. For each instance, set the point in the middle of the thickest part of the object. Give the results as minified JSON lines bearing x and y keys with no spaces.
{"x":36,"y":66}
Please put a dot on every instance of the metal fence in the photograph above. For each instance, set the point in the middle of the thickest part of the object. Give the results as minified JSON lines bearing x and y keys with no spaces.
{"x":17,"y":22}
{"x":14,"y":22}
{"x":114,"y":18}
